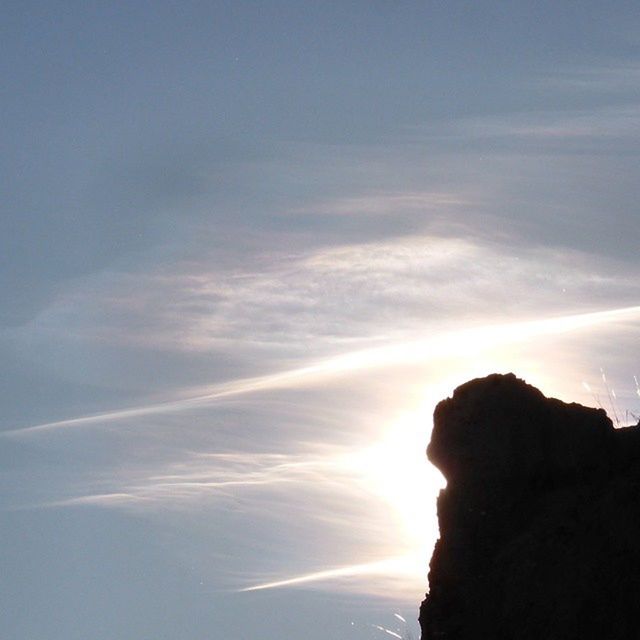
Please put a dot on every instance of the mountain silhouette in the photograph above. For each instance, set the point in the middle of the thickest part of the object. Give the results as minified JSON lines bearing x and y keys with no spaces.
{"x":539,"y":522}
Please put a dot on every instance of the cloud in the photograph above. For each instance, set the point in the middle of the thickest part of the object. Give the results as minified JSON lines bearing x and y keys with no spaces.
{"x":380,"y":568}
{"x":385,"y":203}
{"x":320,"y":300}
{"x":464,"y":342}
{"x":268,"y":352}
{"x":241,"y":464}
{"x":297,"y":500}
{"x":98,"y":499}
{"x":616,"y":79}
{"x":564,"y":132}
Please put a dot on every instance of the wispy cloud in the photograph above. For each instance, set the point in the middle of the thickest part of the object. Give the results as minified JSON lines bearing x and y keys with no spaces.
{"x":572,"y":128}
{"x":387,"y":203}
{"x":324,"y":485}
{"x":209,"y":475}
{"x":615,"y":79}
{"x":446,"y":344}
{"x":393,"y":565}
{"x":323,"y":299}
{"x":98,"y":499}
{"x":597,"y":130}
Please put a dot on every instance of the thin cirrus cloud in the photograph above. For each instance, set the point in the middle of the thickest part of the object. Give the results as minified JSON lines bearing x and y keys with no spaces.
{"x":575,"y":129}
{"x":302,"y":315}
{"x":307,"y":479}
{"x":385,"y":203}
{"x":322,"y":484}
{"x":393,"y":565}
{"x":594,"y":133}
{"x":615,"y":79}
{"x":325,"y":486}
{"x":323,"y":298}
{"x":241,"y":281}
{"x":197,"y":475}
{"x":462,"y":342}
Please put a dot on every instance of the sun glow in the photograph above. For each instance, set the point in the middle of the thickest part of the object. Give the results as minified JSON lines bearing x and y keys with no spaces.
{"x":395,"y":472}
{"x":396,"y":469}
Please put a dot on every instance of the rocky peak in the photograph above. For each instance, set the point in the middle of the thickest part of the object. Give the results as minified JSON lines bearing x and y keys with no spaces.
{"x":539,"y":520}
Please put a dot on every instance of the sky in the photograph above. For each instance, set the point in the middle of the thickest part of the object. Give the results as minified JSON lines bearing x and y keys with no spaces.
{"x":246,"y":248}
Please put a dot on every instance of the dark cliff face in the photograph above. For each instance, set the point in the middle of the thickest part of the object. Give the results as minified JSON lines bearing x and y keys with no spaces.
{"x":540,"y":520}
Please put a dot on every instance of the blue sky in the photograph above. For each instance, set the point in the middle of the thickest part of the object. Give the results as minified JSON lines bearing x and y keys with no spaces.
{"x":245,"y":248}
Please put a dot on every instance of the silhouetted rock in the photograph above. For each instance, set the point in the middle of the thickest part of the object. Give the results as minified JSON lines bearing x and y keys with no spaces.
{"x":540,"y":520}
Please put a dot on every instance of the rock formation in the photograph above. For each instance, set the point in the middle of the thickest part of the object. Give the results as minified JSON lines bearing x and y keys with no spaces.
{"x":539,"y":522}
